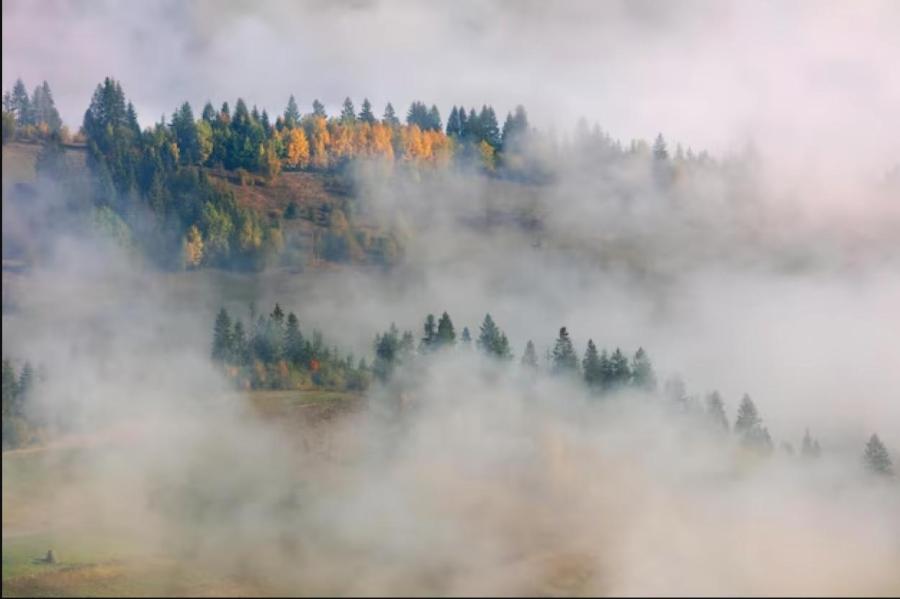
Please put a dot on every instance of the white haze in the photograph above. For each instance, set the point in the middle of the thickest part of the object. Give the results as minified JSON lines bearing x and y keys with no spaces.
{"x":487,"y":482}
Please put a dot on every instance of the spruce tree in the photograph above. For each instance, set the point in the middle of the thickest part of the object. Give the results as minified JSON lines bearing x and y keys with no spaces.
{"x":747,"y":416}
{"x":488,"y":336}
{"x":564,"y":358}
{"x":642,"y":375}
{"x":291,"y":113}
{"x":621,"y":373}
{"x":590,"y":365}
{"x":348,"y":112}
{"x":222,"y":337}
{"x":293,"y":341}
{"x":240,"y":346}
{"x":365,"y":113}
{"x":318,"y":109}
{"x":453,"y":125}
{"x":390,"y":117}
{"x":466,"y":338}
{"x":876,"y":457}
{"x":428,"y":341}
{"x":434,"y":119}
{"x":446,"y":336}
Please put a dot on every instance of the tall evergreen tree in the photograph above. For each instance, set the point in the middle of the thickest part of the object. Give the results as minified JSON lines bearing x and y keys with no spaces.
{"x":446,"y":336}
{"x":428,"y":341}
{"x":434,"y":118}
{"x":660,"y":152}
{"x":318,"y":109}
{"x":590,"y":365}
{"x":348,"y":112}
{"x":291,"y":113}
{"x":390,"y":117}
{"x":365,"y":113}
{"x":20,"y":104}
{"x":564,"y":358}
{"x":642,"y":375}
{"x":621,"y":373}
{"x":876,"y":457}
{"x":453,"y":125}
{"x":293,"y":341}
{"x":222,"y":337}
{"x":489,"y":129}
{"x":747,"y":416}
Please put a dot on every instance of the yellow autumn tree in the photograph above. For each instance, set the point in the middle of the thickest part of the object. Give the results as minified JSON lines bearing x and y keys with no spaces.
{"x":487,"y":155}
{"x":298,"y":148}
{"x":382,"y":142}
{"x":320,"y":140}
{"x":193,"y":247}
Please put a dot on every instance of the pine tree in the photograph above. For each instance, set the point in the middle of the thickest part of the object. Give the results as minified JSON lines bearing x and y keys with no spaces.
{"x":876,"y":457}
{"x":365,"y":114}
{"x":390,"y":117}
{"x":529,"y":357}
{"x":348,"y":112}
{"x":466,"y":338}
{"x":428,"y":341}
{"x":446,"y":336}
{"x":715,"y":411}
{"x":590,"y":365}
{"x":222,"y":337}
{"x":564,"y":358}
{"x":489,"y":129}
{"x":642,"y":375}
{"x":453,"y":125}
{"x":606,"y":372}
{"x":318,"y":109}
{"x":434,"y":119}
{"x":747,"y":416}
{"x":659,"y":149}
{"x":240,"y":347}
{"x":293,"y":341}
{"x":20,"y":104}
{"x":621,"y":373}
{"x":291,"y":113}
{"x":487,"y":337}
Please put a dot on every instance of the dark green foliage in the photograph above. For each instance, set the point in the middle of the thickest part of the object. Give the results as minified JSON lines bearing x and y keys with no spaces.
{"x":564,"y":359}
{"x":428,"y":340}
{"x":365,"y":114}
{"x":222,"y":347}
{"x":876,"y":458}
{"x":492,"y":341}
{"x":619,"y":371}
{"x":446,"y":336}
{"x":466,"y":338}
{"x":590,"y":366}
{"x":387,"y":353}
{"x":454,"y":126}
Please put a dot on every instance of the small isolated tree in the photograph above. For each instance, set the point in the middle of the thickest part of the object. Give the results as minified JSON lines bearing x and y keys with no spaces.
{"x":466,"y":338}
{"x":876,"y":457}
{"x":564,"y":358}
{"x":748,"y":425}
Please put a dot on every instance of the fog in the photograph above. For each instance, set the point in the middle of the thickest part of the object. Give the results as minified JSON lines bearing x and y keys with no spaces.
{"x":779,"y":278}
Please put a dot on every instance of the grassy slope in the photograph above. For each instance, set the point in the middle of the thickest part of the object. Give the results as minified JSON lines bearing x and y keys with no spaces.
{"x":104,"y":562}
